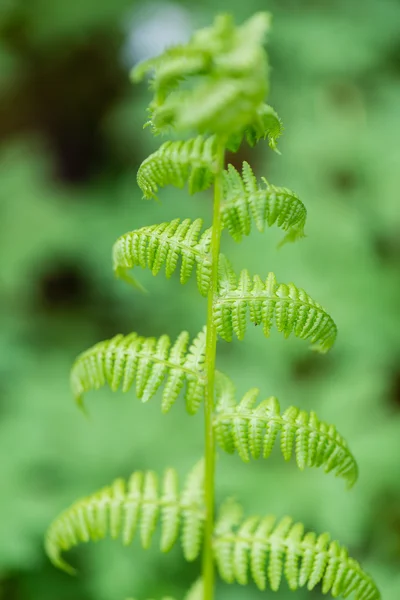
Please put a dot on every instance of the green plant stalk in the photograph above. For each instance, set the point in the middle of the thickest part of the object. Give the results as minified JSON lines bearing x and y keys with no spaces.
{"x":211,"y":350}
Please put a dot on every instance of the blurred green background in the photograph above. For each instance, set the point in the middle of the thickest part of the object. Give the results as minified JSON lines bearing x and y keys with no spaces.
{"x":71,"y":140}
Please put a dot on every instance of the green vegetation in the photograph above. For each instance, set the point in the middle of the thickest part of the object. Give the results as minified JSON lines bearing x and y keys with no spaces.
{"x":226,"y":73}
{"x":71,"y":143}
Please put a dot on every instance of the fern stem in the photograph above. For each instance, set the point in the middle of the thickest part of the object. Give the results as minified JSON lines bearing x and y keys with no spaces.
{"x":211,"y":346}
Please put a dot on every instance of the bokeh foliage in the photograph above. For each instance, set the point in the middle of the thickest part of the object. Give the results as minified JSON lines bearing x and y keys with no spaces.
{"x":71,"y":141}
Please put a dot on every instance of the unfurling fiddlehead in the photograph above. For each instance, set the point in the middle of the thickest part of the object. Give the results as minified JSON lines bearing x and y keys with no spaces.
{"x":253,"y":430}
{"x":224,"y":72}
{"x":232,"y":87}
{"x":271,"y":550}
{"x":121,"y":361}
{"x":123,"y":507}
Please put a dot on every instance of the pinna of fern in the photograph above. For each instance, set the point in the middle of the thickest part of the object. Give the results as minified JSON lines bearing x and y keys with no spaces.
{"x":147,"y":362}
{"x":245,"y":201}
{"x":291,"y":308}
{"x":271,"y":550}
{"x":156,"y":246}
{"x":252,"y":431}
{"x":122,"y":508}
{"x":178,"y":162}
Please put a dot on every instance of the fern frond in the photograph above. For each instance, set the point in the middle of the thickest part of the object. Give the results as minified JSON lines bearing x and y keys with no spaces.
{"x":123,"y":360}
{"x":291,"y":308}
{"x":154,"y":246}
{"x":232,"y":86}
{"x":272,"y":550}
{"x":253,"y":430}
{"x":177,"y":163}
{"x":122,"y":508}
{"x":244,"y":200}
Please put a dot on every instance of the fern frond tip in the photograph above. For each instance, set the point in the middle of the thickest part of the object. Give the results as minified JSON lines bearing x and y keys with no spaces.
{"x":54,"y":554}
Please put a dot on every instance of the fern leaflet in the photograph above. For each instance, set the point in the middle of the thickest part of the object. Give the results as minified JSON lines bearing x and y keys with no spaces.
{"x":123,"y":507}
{"x":176,"y":163}
{"x":123,"y":360}
{"x":266,"y":123}
{"x":253,"y":430}
{"x":290,"y":307}
{"x":156,"y":245}
{"x":245,"y":200}
{"x":272,"y":550}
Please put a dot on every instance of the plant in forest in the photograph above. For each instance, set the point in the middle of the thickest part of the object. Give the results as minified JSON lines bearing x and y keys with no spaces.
{"x":215,"y":88}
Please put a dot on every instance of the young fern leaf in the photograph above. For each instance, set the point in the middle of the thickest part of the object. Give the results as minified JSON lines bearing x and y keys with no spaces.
{"x":155,"y":245}
{"x":266,"y":124}
{"x":123,"y":360}
{"x":176,"y":163}
{"x":122,"y":508}
{"x":244,"y":201}
{"x":233,"y":83}
{"x":271,"y":551}
{"x":253,"y":430}
{"x":291,"y":308}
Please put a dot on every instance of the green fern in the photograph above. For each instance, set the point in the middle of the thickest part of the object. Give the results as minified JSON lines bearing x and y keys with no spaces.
{"x":176,"y":163}
{"x":253,"y":430}
{"x":123,"y":360}
{"x":291,"y":308}
{"x":121,"y":508}
{"x":245,"y":200}
{"x":213,"y":89}
{"x":272,"y":550}
{"x":156,"y":245}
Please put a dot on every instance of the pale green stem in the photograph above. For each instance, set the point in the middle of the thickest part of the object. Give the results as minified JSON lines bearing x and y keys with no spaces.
{"x":211,"y":346}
